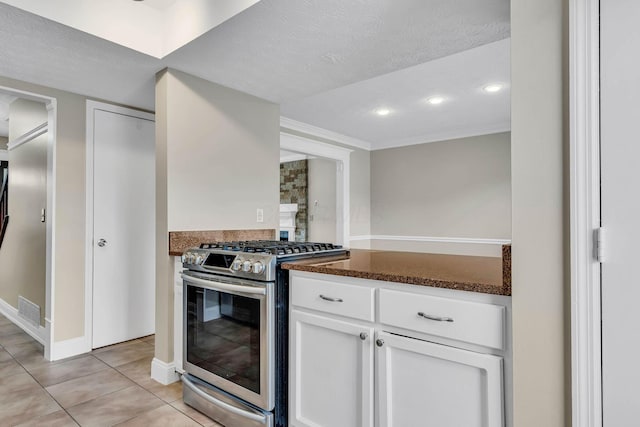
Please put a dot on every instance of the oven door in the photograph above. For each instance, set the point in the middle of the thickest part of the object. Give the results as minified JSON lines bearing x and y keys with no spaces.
{"x":229,"y":335}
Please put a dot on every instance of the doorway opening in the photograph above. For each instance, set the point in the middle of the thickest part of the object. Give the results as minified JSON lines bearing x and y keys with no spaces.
{"x":315,"y":197}
{"x":27,"y":181}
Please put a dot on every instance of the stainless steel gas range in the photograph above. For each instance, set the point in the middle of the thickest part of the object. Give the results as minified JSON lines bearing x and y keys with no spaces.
{"x":236,"y":301}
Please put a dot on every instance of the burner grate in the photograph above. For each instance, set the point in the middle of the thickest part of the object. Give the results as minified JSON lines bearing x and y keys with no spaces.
{"x":274,"y":247}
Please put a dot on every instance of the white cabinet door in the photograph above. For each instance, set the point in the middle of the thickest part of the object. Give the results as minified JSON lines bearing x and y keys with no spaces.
{"x":427,"y":384}
{"x":331,"y":372}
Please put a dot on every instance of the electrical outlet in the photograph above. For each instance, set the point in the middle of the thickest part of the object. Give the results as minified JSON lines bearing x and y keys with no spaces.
{"x":260,"y":215}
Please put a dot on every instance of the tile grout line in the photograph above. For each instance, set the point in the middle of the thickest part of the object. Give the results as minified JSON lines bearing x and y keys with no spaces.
{"x":108,"y":366}
{"x":43,"y":389}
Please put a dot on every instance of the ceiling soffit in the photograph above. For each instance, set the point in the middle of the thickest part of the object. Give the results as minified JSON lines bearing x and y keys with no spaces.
{"x":152,"y":27}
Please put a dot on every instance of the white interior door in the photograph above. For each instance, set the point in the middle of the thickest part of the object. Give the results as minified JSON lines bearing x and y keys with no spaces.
{"x":123,"y":226}
{"x":620,"y":187}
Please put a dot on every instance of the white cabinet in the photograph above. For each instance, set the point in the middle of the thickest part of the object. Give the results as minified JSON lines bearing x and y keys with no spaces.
{"x":427,"y":357}
{"x":427,"y":384}
{"x":464,"y":321}
{"x":331,"y":372}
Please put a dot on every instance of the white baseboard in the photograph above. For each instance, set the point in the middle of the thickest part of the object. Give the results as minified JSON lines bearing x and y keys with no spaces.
{"x":164,"y":373}
{"x":69,"y":348}
{"x":39,"y":333}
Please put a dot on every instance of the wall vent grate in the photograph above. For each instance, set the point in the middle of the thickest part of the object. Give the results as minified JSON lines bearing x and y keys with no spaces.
{"x":29,"y":311}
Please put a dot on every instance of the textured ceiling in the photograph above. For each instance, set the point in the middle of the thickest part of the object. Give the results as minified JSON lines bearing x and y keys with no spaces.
{"x":40,"y":51}
{"x":280,"y":50}
{"x":467,"y":109}
{"x":284,"y":50}
{"x":152,"y":27}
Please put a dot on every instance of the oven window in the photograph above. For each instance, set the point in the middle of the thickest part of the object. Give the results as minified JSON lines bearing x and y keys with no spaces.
{"x":223,"y":335}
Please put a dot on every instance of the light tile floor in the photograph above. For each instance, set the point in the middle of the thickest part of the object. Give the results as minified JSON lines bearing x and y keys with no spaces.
{"x":107,"y":387}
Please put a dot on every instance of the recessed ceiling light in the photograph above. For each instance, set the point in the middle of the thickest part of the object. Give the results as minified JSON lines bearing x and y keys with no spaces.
{"x":492,"y":88}
{"x":435,"y":100}
{"x":383,"y":111}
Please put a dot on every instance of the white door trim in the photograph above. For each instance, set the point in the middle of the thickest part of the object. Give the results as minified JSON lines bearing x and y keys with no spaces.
{"x":299,"y":144}
{"x":584,"y":167}
{"x":92,"y":106}
{"x":297,"y":126}
{"x":52,"y":111}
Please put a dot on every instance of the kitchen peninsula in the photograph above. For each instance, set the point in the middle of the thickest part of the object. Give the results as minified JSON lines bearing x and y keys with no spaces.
{"x":405,"y":338}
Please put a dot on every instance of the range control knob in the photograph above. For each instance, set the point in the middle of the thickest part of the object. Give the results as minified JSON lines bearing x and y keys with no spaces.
{"x":237,"y":264}
{"x":258,"y":267}
{"x":184,"y":258}
{"x":199,"y":259}
{"x":246,"y":266}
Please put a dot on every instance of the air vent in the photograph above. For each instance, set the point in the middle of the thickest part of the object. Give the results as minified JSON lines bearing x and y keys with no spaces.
{"x":29,"y":311}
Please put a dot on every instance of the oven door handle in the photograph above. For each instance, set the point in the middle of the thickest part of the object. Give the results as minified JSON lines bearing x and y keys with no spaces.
{"x":255,"y":417}
{"x":215,"y":285}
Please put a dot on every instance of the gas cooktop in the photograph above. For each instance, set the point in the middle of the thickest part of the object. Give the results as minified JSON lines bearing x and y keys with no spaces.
{"x":253,"y":259}
{"x":272,"y":247}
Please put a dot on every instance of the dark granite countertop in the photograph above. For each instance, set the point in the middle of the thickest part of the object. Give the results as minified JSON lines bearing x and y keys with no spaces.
{"x":490,"y":275}
{"x":180,"y":241}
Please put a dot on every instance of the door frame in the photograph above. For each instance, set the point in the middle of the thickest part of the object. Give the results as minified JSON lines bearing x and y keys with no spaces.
{"x":45,"y":335}
{"x":584,"y":193}
{"x":91,"y":107}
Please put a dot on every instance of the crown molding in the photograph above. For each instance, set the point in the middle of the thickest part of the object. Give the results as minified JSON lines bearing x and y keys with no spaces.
{"x":294,"y":125}
{"x":444,"y":136}
{"x":319,"y":132}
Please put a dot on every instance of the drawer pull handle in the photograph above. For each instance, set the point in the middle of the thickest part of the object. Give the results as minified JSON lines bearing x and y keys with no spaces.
{"x":330,"y":299}
{"x":363,"y":336}
{"x":436,"y":318}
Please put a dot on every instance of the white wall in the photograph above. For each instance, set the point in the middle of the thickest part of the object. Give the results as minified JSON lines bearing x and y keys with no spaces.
{"x":454,"y":189}
{"x":217,"y":161}
{"x":321,"y":177}
{"x":223,"y":157}
{"x":542,"y":395}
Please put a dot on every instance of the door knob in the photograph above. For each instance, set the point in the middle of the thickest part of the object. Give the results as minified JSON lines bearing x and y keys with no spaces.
{"x":379,"y":342}
{"x":102,"y":243}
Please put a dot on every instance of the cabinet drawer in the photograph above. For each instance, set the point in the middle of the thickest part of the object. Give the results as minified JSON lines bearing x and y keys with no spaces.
{"x":336,"y":298}
{"x":470,"y":322}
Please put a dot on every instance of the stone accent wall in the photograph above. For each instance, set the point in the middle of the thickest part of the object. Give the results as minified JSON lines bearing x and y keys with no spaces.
{"x":293,"y":189}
